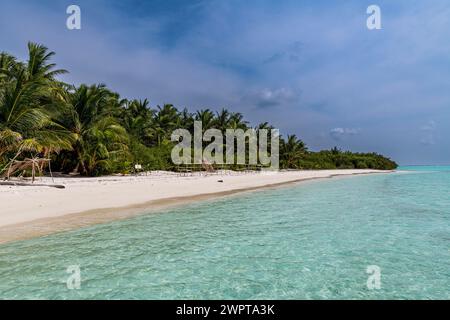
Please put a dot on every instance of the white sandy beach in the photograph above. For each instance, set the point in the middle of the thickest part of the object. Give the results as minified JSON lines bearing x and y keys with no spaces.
{"x":24,"y":204}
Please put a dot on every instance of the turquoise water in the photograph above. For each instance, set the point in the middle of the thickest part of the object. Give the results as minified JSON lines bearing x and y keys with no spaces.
{"x":310,"y":241}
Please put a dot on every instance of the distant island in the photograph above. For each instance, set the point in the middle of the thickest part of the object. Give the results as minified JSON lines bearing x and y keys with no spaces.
{"x":89,"y":130}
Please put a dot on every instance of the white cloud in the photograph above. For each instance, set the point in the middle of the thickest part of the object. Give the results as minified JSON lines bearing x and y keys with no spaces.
{"x":340,"y":133}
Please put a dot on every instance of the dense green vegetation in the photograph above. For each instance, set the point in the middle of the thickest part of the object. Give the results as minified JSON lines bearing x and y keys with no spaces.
{"x":92,"y":131}
{"x":336,"y":159}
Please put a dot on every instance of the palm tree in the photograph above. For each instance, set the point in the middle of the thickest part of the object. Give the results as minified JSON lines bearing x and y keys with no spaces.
{"x":187,"y":120}
{"x":236,"y":121}
{"x":106,"y":142}
{"x":97,"y":133}
{"x":291,"y":151}
{"x":137,"y":119}
{"x":38,"y":66}
{"x":8,"y":64}
{"x":206,"y":117}
{"x":166,"y":120}
{"x":222,"y":120}
{"x":264,"y":125}
{"x":29,"y":98}
{"x":335,"y":151}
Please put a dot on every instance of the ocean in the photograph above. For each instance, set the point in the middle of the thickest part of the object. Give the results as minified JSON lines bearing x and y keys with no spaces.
{"x":383,"y":236}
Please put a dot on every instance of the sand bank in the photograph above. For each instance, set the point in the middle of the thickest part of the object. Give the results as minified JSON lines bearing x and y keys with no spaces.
{"x":35,"y":211}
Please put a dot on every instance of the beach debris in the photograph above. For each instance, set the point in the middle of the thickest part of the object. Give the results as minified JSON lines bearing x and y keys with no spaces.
{"x":23,"y":184}
{"x":207,"y":166}
{"x":34,"y":164}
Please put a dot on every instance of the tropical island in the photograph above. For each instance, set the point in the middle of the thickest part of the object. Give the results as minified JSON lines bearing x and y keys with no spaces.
{"x":91,"y":131}
{"x":107,"y":158}
{"x":224,"y":150}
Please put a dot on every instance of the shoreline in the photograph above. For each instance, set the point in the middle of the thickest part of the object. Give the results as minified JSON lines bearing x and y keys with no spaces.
{"x":86,"y":200}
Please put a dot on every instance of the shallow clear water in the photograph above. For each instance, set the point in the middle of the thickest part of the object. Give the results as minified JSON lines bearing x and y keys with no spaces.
{"x":310,"y":241}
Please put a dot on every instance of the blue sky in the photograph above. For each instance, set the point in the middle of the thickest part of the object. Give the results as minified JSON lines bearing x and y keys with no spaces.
{"x":309,"y":67}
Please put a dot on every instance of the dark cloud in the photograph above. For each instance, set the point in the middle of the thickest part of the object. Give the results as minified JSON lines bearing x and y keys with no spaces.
{"x":266,"y":98}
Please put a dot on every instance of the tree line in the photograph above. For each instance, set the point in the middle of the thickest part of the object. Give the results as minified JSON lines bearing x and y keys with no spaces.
{"x":91,"y":130}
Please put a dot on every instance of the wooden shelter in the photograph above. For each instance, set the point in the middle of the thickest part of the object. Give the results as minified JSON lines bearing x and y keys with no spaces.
{"x":35,"y":164}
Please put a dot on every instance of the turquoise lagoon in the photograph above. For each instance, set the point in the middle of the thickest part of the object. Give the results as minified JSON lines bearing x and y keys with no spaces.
{"x":313,"y":240}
